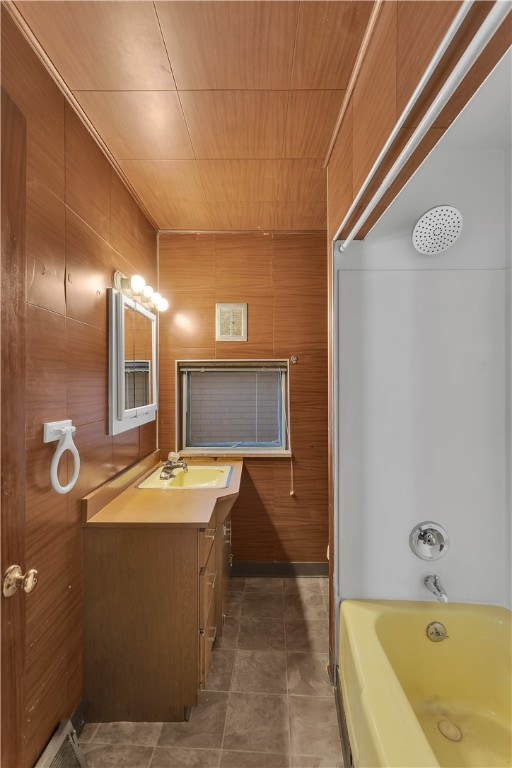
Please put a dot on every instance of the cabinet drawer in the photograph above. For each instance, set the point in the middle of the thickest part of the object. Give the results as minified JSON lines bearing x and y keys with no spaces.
{"x":206,"y":640}
{"x":207,"y":579}
{"x":205,"y":540}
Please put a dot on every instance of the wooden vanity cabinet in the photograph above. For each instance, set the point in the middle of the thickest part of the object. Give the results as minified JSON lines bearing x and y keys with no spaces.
{"x":153,"y":608}
{"x":154,"y":567}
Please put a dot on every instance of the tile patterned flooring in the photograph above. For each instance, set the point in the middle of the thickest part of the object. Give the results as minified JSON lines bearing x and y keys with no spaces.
{"x":268,"y":702}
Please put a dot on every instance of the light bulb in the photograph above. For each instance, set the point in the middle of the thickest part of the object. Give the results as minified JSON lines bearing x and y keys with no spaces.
{"x":162,"y":305}
{"x":148,"y":292}
{"x":156,"y":298}
{"x":137,"y":283}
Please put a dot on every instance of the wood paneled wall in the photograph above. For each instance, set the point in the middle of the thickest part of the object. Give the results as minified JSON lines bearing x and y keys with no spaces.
{"x":283,"y":279}
{"x":388,"y":76}
{"x":405,"y":38}
{"x":81,"y":224}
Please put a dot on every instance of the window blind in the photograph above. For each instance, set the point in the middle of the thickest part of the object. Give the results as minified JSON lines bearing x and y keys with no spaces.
{"x":234,"y":406}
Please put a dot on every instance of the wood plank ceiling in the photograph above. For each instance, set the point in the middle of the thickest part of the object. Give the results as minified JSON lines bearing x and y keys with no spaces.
{"x":219,"y":114}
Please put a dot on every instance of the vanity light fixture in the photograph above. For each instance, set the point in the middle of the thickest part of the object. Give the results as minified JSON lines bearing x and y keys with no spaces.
{"x":132,"y":285}
{"x":159,"y":302}
{"x":135,"y":287}
{"x":137,"y":284}
{"x":162,"y":305}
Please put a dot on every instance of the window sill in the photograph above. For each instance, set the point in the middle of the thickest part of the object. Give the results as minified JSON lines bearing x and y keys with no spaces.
{"x":190,"y":453}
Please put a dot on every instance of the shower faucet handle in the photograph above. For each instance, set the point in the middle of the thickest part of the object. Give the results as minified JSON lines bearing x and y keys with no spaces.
{"x":428,"y":540}
{"x":428,"y":536}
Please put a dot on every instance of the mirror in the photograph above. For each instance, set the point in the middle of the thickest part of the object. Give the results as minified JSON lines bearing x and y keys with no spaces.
{"x":138,"y":358}
{"x":132,"y":364}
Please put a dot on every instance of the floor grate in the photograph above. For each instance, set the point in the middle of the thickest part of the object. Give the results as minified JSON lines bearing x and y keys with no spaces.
{"x":63,"y":750}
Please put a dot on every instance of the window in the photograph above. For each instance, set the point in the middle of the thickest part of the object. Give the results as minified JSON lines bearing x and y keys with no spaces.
{"x":235,"y":406}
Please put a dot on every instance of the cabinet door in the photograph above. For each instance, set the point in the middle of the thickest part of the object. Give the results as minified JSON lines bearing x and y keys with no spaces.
{"x":141,"y":623}
{"x":207,"y":587}
{"x":207,"y":637}
{"x":227,"y":561}
{"x":205,"y":540}
{"x":223,"y":547}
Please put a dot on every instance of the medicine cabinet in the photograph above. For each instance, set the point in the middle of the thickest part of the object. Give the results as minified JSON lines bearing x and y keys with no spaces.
{"x":132,"y":364}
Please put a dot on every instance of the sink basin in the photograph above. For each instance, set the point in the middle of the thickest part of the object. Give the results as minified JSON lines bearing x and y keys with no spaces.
{"x":197,"y":477}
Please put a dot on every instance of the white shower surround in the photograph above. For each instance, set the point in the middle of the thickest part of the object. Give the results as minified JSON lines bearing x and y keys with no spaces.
{"x":424,"y":387}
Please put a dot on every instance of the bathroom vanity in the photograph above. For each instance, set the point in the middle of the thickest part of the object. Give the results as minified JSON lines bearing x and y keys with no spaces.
{"x":155,"y":568}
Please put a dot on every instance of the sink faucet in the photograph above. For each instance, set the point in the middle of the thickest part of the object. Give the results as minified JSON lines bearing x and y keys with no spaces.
{"x":433,"y":584}
{"x":173,"y":462}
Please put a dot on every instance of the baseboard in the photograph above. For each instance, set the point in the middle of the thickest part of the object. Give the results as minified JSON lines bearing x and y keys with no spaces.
{"x":342,"y":722}
{"x":280,"y":569}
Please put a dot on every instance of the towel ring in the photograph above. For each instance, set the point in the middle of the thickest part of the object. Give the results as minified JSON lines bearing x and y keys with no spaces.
{"x":62,"y":431}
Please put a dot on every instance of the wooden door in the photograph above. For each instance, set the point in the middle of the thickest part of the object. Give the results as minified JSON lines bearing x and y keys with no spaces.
{"x":12,"y":442}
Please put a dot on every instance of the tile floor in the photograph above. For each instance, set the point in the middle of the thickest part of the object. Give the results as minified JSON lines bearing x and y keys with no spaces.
{"x":268,"y":702}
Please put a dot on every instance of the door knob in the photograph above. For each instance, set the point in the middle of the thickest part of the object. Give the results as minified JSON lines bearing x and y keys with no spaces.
{"x":14,"y":578}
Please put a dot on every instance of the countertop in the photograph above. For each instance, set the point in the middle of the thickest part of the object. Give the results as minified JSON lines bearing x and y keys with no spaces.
{"x":146,"y":506}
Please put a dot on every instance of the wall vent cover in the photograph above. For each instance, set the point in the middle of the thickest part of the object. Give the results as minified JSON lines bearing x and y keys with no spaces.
{"x":437,"y":230}
{"x":63,"y":750}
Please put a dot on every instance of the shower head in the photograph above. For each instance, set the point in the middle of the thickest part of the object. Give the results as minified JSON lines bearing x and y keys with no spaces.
{"x":437,"y":230}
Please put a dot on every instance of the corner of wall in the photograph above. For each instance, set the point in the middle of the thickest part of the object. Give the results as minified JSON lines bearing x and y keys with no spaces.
{"x":508,"y":369}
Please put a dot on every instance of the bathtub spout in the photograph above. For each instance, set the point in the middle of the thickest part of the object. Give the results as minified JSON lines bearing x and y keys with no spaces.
{"x":433,"y":584}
